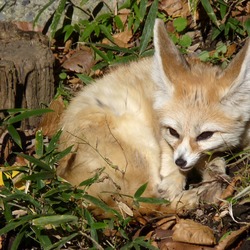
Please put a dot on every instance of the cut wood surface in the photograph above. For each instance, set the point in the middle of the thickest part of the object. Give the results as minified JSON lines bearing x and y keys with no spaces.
{"x":26,"y":70}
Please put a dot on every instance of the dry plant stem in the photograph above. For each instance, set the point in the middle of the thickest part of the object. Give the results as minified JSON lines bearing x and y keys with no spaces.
{"x":229,"y":11}
{"x":119,"y":145}
{"x":99,"y":247}
{"x":96,"y":150}
{"x":238,"y":161}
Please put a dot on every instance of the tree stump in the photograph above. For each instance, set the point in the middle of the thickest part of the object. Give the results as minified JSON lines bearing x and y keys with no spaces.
{"x":26,"y":70}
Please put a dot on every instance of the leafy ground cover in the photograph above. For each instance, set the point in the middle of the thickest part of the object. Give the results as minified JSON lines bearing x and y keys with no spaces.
{"x":41,"y":211}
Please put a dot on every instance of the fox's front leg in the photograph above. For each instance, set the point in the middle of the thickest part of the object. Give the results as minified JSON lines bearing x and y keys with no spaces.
{"x":209,"y":191}
{"x":172,"y":179}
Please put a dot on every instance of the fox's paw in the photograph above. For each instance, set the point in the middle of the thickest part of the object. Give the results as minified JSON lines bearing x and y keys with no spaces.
{"x":209,"y":191}
{"x":214,"y":180}
{"x":172,"y":185}
{"x":215,"y":170}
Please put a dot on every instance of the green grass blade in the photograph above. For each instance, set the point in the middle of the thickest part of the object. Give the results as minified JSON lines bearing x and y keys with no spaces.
{"x":53,"y":142}
{"x":18,"y":238}
{"x":42,"y":10}
{"x":106,"y":32}
{"x":100,"y":53}
{"x":15,"y":135}
{"x":35,"y":161}
{"x":14,"y":224}
{"x":56,"y":19}
{"x":91,"y":220}
{"x":210,"y":12}
{"x":20,"y":195}
{"x":40,"y":176}
{"x":149,"y":26}
{"x":143,"y":8}
{"x":26,"y":114}
{"x":101,"y":204}
{"x":54,"y":220}
{"x":59,"y":244}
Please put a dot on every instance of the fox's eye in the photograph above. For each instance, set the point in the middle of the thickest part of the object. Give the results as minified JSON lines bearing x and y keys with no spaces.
{"x":173,"y":132}
{"x":204,"y":136}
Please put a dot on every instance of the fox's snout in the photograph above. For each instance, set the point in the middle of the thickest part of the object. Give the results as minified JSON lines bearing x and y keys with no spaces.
{"x":182,"y":163}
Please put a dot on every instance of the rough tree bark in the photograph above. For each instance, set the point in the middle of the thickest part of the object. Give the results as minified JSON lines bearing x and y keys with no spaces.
{"x":26,"y":70}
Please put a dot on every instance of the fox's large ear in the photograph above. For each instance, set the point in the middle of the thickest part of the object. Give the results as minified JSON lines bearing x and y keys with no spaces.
{"x":236,"y":83}
{"x":169,"y":63}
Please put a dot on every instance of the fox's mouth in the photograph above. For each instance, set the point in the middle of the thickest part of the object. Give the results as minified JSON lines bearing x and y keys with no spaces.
{"x":183,"y":164}
{"x":185,"y":168}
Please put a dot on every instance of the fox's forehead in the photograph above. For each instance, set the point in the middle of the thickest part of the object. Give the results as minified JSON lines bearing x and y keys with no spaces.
{"x":201,"y":86}
{"x":193,"y":119}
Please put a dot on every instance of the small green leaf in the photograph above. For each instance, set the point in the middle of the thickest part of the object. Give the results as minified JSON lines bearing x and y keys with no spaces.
{"x":140,"y":190}
{"x":99,"y":225}
{"x":185,"y":41}
{"x":39,"y":143}
{"x":85,"y":78}
{"x":87,"y":31}
{"x":180,"y":23}
{"x":247,"y":26}
{"x":63,"y":76}
{"x":106,"y":32}
{"x":54,"y":220}
{"x":118,"y":22}
{"x":152,"y":200}
{"x":68,"y":30}
{"x":204,"y":56}
{"x":221,"y":48}
{"x":14,"y":135}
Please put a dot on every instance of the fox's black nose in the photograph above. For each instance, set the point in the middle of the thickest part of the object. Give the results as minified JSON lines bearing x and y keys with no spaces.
{"x":181,"y":163}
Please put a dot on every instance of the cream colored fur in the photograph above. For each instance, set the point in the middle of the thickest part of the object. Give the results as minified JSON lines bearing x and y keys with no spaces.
{"x":143,"y":119}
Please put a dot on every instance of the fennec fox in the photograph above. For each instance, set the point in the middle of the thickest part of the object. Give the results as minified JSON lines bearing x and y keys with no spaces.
{"x":153,"y":120}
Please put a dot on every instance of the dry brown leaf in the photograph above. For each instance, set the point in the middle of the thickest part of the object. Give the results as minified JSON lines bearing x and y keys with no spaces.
{"x":75,"y":81}
{"x":171,"y":245}
{"x":28,"y":26}
{"x":121,"y":39}
{"x":231,"y":49}
{"x":141,"y":220}
{"x":175,"y":8}
{"x":193,"y":232}
{"x":231,"y":238}
{"x":50,"y":121}
{"x":166,"y":223}
{"x":67,"y":46}
{"x":230,"y":188}
{"x":123,"y":14}
{"x":81,"y":61}
{"x":166,"y":219}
